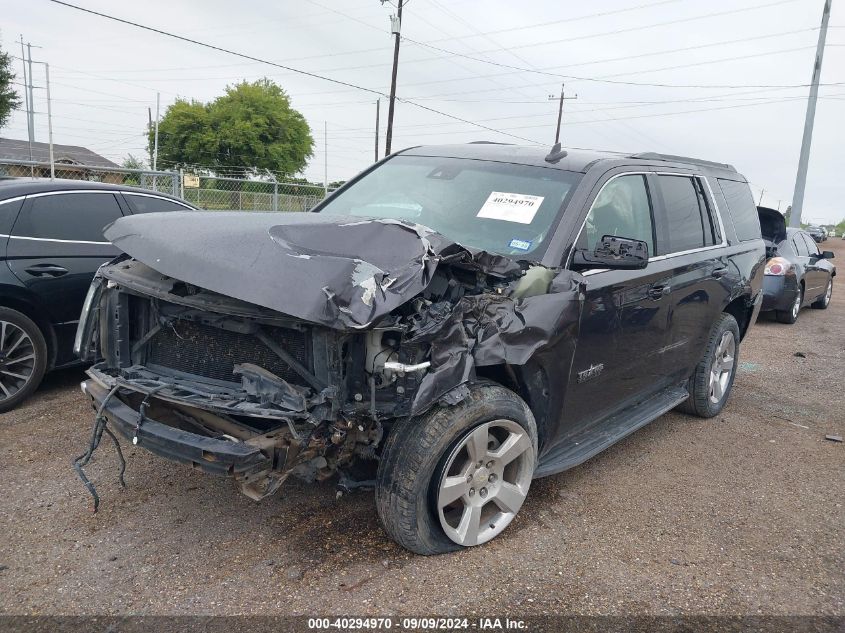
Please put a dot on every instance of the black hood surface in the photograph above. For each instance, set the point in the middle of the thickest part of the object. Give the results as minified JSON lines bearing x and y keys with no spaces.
{"x":341,"y":272}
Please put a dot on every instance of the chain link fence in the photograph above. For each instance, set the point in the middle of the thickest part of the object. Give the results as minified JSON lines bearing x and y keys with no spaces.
{"x":212,"y":192}
{"x":204,"y":192}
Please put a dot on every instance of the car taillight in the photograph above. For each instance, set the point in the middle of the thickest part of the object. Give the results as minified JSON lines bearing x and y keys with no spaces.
{"x":777,"y":266}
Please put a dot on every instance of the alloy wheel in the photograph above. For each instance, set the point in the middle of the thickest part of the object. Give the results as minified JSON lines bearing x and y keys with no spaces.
{"x":723,"y":367}
{"x":485,"y":481}
{"x":829,"y":292}
{"x":17,"y":359}
{"x":796,"y":307}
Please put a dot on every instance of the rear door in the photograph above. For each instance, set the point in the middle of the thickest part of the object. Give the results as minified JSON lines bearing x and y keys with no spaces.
{"x":56,"y":246}
{"x":817,"y":270}
{"x":690,"y":242}
{"x":802,"y":251}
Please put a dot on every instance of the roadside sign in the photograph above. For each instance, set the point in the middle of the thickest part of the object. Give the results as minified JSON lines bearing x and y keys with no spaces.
{"x":190,"y":181}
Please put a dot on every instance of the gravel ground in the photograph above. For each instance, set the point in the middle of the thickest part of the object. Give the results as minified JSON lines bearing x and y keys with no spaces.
{"x":742,"y":514}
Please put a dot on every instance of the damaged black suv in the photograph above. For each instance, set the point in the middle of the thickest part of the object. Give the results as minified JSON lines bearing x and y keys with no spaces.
{"x":456,"y":321}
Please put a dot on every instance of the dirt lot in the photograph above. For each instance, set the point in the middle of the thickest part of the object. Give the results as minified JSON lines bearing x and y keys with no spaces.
{"x":742,"y":514}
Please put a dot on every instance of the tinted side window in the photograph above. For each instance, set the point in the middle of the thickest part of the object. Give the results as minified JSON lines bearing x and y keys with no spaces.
{"x":68,"y":216}
{"x":812,"y":247}
{"x":800,"y":245}
{"x":148,"y":204}
{"x":786,"y":248}
{"x":689,"y":225}
{"x":742,"y":209}
{"x":622,"y":208}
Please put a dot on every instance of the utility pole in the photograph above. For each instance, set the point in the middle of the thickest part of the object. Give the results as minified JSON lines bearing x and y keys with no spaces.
{"x":31,"y":95}
{"x":378,"y":103}
{"x":560,"y":110}
{"x":26,"y":80}
{"x":395,"y":27}
{"x":155,"y":137}
{"x":50,"y":122}
{"x":804,"y":158}
{"x":760,"y":203}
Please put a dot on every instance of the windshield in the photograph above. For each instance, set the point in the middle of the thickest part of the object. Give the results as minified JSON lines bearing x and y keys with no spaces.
{"x":498,"y":207}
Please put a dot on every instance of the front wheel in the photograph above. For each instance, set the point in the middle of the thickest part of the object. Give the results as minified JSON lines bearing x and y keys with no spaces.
{"x":457,"y":475}
{"x":711,"y":382}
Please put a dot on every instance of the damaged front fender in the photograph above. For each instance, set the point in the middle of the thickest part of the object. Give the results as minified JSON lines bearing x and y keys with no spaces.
{"x":491,"y":329}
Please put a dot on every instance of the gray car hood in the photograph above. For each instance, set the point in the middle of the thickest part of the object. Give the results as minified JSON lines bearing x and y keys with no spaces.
{"x":342,"y":272}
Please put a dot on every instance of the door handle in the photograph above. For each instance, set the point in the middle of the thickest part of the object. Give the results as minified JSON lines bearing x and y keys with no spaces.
{"x":721,"y":272}
{"x":39,"y":270}
{"x":658,"y":292}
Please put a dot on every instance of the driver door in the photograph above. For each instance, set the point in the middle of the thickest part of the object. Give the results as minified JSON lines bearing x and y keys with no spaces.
{"x":623,"y":327}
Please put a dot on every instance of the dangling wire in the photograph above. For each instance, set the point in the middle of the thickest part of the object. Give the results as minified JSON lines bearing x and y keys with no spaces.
{"x":97,"y":430}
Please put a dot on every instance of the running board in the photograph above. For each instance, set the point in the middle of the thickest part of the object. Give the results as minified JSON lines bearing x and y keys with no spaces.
{"x":587,"y":442}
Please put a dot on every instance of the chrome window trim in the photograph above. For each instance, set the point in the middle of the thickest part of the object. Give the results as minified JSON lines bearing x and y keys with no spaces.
{"x":15,"y":199}
{"x":42,"y":194}
{"x":49,"y":239}
{"x":157,"y":197}
{"x":657,"y":258}
{"x":584,"y":223}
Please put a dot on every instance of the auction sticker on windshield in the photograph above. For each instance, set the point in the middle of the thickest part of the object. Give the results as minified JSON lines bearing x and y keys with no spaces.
{"x":511,"y":207}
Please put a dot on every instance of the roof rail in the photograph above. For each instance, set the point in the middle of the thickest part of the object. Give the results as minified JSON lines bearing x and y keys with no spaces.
{"x":683,"y":159}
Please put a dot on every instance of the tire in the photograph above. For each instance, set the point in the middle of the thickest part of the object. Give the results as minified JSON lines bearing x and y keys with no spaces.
{"x":824,"y":301}
{"x":791,"y":316}
{"x":21,"y":372}
{"x":701,"y":401}
{"x":422,"y":455}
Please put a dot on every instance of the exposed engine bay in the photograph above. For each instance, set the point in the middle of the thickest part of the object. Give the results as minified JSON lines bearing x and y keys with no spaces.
{"x":262,"y":371}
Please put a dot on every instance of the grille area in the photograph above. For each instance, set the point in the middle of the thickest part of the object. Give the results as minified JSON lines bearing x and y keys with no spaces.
{"x":208,"y":351}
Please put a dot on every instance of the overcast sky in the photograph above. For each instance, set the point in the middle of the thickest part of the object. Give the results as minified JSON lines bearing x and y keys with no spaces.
{"x":723,"y":80}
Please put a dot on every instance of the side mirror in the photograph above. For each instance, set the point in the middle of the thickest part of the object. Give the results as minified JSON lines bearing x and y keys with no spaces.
{"x":827,"y":255}
{"x":613,"y":252}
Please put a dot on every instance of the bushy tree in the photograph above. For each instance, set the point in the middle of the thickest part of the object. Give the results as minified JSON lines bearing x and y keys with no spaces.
{"x":9,"y":99}
{"x":250,"y":129}
{"x":132,"y":162}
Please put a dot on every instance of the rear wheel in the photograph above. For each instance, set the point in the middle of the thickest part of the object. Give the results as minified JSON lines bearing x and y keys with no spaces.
{"x":711,"y":382}
{"x":791,"y":316}
{"x":457,"y":476}
{"x":23,"y":358}
{"x":824,"y":300}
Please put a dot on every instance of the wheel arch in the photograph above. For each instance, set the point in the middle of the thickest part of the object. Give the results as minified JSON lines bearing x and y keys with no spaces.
{"x":16,"y":299}
{"x":742,"y":309}
{"x":531,"y":383}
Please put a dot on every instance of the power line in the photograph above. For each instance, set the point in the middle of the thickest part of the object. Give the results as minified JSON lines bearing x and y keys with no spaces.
{"x":630,"y":29}
{"x":288,"y":68}
{"x":597,"y":79}
{"x":625,"y":58}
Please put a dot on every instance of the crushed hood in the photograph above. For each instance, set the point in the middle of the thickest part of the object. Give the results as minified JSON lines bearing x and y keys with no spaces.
{"x":341,"y":272}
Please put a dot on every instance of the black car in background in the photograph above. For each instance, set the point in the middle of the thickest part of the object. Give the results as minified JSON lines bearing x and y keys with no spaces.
{"x":818,"y":233}
{"x":468,"y":317}
{"x":51,"y":236}
{"x":797,"y":273}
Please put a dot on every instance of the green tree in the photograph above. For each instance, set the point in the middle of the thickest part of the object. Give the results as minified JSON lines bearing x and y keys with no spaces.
{"x":132,"y":162}
{"x":250,"y":129}
{"x":9,"y":99}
